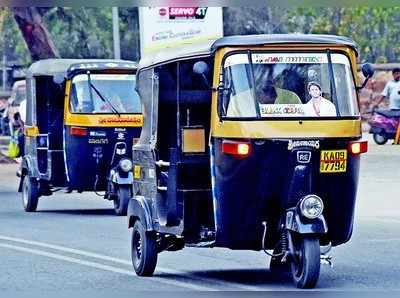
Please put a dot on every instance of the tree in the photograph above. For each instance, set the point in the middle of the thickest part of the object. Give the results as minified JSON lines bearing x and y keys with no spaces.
{"x":34,"y":31}
{"x":244,"y":20}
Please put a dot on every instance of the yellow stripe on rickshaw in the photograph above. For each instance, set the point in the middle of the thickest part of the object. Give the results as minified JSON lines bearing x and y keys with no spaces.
{"x":131,"y":120}
{"x":287,"y":129}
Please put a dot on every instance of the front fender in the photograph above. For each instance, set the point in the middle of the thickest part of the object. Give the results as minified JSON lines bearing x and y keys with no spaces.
{"x":139,"y":209}
{"x":27,"y":169}
{"x":297,"y":223}
{"x":117,"y":179}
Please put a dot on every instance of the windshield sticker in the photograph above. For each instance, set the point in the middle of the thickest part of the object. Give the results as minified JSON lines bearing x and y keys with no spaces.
{"x":101,"y":65}
{"x":101,"y":77}
{"x":268,"y":58}
{"x":286,"y":58}
{"x":281,"y":110}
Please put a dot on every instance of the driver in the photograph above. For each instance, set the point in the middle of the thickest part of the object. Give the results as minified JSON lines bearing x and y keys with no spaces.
{"x":116,"y":102}
{"x":84,"y":104}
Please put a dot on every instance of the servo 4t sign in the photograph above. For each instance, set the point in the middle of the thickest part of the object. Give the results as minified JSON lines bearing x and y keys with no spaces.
{"x":187,"y":12}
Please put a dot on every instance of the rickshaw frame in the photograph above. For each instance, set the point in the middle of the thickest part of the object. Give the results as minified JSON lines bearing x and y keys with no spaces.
{"x":57,"y":74}
{"x":145,"y":214}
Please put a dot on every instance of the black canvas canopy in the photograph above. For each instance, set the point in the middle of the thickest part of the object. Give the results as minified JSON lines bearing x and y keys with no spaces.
{"x":51,"y":67}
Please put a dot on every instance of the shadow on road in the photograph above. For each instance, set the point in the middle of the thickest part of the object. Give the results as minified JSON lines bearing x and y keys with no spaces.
{"x":251,"y":277}
{"x":92,"y":212}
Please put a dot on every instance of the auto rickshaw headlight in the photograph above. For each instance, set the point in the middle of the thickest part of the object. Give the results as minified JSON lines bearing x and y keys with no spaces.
{"x":311,"y":206}
{"x":125,"y":165}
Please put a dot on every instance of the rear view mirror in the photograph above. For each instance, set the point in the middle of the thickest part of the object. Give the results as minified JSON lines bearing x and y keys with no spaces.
{"x":200,"y":68}
{"x":367,"y":70}
{"x":58,"y":78}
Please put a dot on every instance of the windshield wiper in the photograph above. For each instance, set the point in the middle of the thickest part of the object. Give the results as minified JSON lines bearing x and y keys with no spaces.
{"x":101,"y":96}
{"x":332,"y":82}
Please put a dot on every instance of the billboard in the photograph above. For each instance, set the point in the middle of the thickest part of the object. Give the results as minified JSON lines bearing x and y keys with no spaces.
{"x":162,"y":27}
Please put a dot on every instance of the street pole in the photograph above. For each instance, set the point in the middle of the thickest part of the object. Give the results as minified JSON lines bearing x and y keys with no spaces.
{"x":4,"y":72}
{"x":117,"y":47}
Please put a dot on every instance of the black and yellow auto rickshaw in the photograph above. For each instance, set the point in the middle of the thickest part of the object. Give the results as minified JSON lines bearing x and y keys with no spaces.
{"x":82,"y":119}
{"x":251,"y":143}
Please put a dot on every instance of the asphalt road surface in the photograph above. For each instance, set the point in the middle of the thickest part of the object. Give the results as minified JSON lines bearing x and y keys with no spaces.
{"x":75,"y":242}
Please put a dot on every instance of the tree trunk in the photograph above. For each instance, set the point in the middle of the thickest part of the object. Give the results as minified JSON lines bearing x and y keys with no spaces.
{"x":34,"y":31}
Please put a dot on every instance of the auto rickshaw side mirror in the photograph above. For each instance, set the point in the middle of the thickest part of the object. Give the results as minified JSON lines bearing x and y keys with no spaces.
{"x":368,"y":71}
{"x":201,"y":68}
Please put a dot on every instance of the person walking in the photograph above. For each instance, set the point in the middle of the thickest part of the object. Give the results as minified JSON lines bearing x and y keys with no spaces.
{"x":392,"y":91}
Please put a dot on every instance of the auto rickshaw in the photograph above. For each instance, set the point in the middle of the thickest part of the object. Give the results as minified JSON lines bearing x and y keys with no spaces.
{"x":82,"y":119}
{"x":222,"y":161}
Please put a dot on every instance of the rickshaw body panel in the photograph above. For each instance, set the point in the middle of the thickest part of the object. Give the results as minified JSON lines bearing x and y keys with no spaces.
{"x":87,"y":155}
{"x":248,"y":190}
{"x":285,"y":128}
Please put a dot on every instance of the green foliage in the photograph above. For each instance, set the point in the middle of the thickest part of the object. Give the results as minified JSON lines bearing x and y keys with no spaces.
{"x":11,"y":40}
{"x":129,"y":33}
{"x":81,"y":32}
{"x":376,"y":30}
{"x":87,"y":32}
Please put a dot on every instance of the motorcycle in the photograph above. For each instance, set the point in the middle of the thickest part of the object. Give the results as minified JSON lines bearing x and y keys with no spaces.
{"x":384,"y":125}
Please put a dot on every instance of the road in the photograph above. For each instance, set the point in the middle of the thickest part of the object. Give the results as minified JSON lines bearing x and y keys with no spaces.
{"x":75,"y":242}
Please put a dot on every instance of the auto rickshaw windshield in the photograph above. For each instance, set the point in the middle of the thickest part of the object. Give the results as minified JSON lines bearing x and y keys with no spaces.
{"x":262,"y":84}
{"x":118,"y":90}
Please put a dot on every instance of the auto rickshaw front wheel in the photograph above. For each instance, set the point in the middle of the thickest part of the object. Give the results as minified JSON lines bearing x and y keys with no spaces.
{"x":30,"y":194}
{"x":306,"y":263}
{"x":143,"y":250}
{"x":122,"y":200}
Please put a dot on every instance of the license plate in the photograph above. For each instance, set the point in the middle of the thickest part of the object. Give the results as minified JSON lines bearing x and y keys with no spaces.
{"x":333,"y":161}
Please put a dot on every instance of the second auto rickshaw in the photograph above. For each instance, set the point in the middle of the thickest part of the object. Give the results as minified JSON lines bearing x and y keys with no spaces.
{"x":249,"y":142}
{"x":82,"y":119}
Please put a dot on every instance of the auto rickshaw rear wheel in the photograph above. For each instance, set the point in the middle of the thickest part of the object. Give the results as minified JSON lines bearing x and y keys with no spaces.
{"x":30,"y":194}
{"x":306,"y":263}
{"x":122,"y":200}
{"x":143,"y":250}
